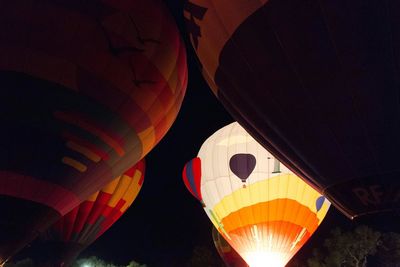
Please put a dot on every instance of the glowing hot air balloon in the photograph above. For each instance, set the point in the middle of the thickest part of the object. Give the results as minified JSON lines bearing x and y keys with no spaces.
{"x":88,"y":88}
{"x":86,"y":222}
{"x":230,"y":257}
{"x":261,"y":208}
{"x":300,"y":75}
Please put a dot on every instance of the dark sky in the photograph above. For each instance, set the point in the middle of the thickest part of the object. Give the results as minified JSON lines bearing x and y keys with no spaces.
{"x":165,"y":222}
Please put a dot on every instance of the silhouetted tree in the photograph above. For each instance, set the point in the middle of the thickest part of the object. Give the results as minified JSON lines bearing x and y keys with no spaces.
{"x":347,"y":249}
{"x":96,"y":262}
{"x":21,"y":263}
{"x":90,"y":262}
{"x":135,"y":264}
{"x":388,"y":254}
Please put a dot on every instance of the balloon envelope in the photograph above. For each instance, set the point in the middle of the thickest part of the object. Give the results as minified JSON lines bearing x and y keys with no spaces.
{"x":87,"y":89}
{"x":267,"y":217}
{"x":316,"y":82}
{"x":230,"y":257}
{"x":85,"y":223}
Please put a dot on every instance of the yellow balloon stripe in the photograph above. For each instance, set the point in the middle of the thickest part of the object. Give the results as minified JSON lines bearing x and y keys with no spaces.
{"x":120,"y":190}
{"x":84,"y":151}
{"x":74,"y":164}
{"x":93,"y":197}
{"x":132,"y":191}
{"x":110,"y":188}
{"x":277,"y":187}
{"x":148,"y":139}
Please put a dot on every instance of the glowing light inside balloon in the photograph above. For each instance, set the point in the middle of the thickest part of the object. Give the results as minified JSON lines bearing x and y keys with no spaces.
{"x":265,"y":258}
{"x":268,"y":220}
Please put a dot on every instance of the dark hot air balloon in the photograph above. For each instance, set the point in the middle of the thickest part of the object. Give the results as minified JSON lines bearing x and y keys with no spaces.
{"x":316,"y":83}
{"x":87,"y":89}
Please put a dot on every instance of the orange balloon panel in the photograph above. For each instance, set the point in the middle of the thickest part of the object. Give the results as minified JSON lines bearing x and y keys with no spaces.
{"x":264,"y":211}
{"x":270,"y":227}
{"x":230,"y":257}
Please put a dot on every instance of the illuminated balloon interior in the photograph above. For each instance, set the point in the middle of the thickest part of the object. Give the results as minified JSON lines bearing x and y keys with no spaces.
{"x":263,"y":210}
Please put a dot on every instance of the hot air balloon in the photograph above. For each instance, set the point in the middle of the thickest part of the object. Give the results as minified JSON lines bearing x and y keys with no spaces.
{"x":85,"y":223}
{"x":264,"y":211}
{"x":230,"y":257}
{"x":301,"y":75}
{"x":88,"y":88}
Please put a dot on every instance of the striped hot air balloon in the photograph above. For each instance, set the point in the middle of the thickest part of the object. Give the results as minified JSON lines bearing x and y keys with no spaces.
{"x":264,"y":211}
{"x":86,"y":222}
{"x":88,"y":88}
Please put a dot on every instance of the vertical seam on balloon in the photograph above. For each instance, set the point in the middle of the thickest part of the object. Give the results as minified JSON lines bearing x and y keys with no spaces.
{"x":292,"y":227}
{"x":211,"y":148}
{"x":298,"y":184}
{"x":306,"y":220}
{"x":285,"y":202}
{"x":279,"y":237}
{"x":249,"y":189}
{"x":231,"y":177}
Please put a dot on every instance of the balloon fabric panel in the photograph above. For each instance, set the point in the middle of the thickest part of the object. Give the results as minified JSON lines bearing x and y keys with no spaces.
{"x":191,"y":177}
{"x":328,"y":70}
{"x":88,"y":89}
{"x":85,"y":223}
{"x":263,"y":210}
{"x":105,"y":207}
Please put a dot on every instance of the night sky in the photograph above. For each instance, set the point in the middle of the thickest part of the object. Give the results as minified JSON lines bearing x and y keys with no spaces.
{"x":165,"y":222}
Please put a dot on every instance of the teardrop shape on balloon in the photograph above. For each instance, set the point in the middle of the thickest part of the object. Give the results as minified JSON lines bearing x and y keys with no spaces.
{"x":319,"y":202}
{"x":242,"y":165}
